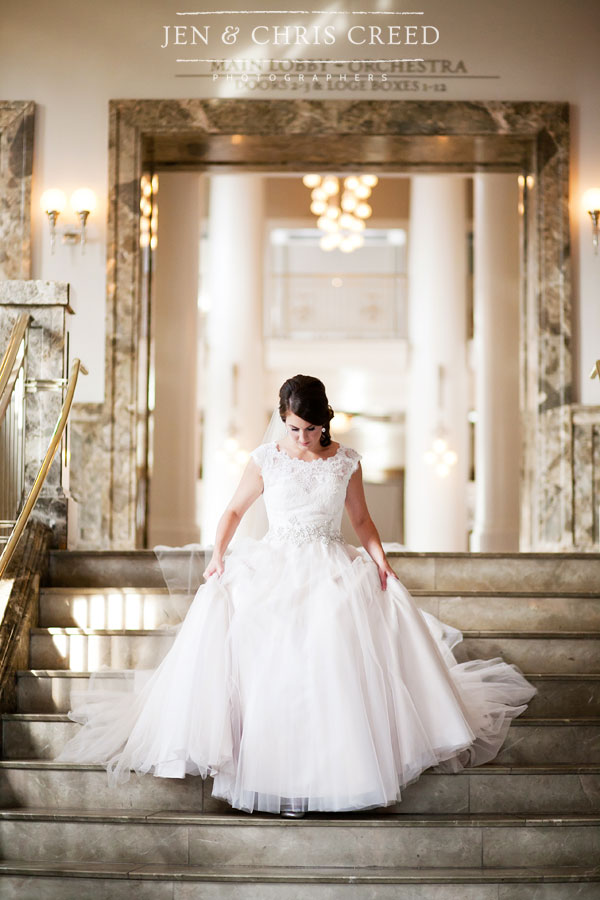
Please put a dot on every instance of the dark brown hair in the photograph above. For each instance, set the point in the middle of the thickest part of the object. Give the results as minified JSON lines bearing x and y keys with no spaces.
{"x":305,"y":396}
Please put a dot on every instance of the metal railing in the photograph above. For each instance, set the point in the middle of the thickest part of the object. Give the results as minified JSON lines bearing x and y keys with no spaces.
{"x":12,"y":424}
{"x":12,"y":438}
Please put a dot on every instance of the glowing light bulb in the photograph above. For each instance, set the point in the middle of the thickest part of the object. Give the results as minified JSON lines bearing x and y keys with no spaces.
{"x":346,"y":220}
{"x":591,"y":199}
{"x":349,"y":201}
{"x":356,"y":224}
{"x":330,"y":241}
{"x":363,"y":210}
{"x":331,"y":185}
{"x":311,"y":180}
{"x":53,"y":200}
{"x":83,"y":200}
{"x":326,"y":224}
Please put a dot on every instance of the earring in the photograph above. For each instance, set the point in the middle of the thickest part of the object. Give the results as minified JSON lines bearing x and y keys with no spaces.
{"x":323,"y":429}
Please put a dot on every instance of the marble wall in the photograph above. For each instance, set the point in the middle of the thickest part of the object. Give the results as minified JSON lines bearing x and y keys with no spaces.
{"x":48,"y":304}
{"x":585,"y":432}
{"x":16,"y":164}
{"x":527,"y":137}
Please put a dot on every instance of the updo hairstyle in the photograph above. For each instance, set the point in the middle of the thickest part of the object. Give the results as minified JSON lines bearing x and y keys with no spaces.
{"x":305,"y":396}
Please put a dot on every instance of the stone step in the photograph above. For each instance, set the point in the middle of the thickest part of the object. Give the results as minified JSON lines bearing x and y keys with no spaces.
{"x":529,"y":741}
{"x":104,"y":607}
{"x":549,"y":652}
{"x":425,"y":571}
{"x":128,"y":607}
{"x":514,"y":611}
{"x":180,"y":838}
{"x":89,"y":649}
{"x":22,"y":880}
{"x":560,"y":695}
{"x":484,"y":789}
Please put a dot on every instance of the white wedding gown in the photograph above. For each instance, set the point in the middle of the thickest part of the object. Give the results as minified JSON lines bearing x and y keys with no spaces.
{"x":295,"y":679}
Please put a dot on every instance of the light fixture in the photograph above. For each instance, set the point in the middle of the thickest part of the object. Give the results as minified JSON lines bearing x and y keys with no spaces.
{"x":148,"y":211}
{"x":340,"y":210}
{"x":53,"y":202}
{"x":591,"y":204}
{"x":83,"y":202}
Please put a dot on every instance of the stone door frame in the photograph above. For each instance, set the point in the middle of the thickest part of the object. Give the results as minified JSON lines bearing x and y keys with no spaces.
{"x":531,"y":138}
{"x":16,"y":165}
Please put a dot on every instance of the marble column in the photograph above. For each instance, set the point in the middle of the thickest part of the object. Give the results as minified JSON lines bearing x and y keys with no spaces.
{"x":436,"y":506}
{"x":496,"y":338}
{"x":233,"y":406}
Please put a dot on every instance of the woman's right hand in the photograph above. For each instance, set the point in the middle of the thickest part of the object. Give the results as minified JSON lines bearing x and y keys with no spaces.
{"x":215,"y":566}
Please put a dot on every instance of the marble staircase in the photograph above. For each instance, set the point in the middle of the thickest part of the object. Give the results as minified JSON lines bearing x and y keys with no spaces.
{"x":525,"y":826}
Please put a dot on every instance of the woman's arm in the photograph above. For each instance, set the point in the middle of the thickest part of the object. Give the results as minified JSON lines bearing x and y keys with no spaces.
{"x":361,"y":521}
{"x":249,"y":488}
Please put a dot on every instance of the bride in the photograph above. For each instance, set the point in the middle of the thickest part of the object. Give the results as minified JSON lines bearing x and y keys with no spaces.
{"x":303,"y":676}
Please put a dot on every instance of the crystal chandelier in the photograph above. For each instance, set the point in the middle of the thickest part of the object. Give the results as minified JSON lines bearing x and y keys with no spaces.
{"x":341,"y":208}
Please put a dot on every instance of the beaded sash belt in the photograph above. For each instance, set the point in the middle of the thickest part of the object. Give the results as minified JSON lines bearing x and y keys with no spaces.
{"x":302,"y":534}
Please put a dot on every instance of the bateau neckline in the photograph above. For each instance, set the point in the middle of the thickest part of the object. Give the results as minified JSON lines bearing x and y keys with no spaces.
{"x":309,"y":461}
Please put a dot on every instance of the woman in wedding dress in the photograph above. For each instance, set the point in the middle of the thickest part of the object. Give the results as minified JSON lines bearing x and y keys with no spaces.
{"x":303,"y":676}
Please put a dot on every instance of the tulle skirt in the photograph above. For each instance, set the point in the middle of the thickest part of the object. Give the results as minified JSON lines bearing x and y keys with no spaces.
{"x":295,"y":680}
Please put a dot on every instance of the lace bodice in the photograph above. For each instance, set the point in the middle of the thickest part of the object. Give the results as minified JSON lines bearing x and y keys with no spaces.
{"x":304,"y":499}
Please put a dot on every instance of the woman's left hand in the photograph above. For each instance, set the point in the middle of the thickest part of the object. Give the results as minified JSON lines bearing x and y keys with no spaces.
{"x":385,"y":572}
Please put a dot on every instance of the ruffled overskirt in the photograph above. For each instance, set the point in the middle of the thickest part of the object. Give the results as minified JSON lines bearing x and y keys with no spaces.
{"x":295,"y":680}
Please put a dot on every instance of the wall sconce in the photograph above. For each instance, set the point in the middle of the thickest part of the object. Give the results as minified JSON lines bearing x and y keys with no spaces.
{"x":591,"y":204}
{"x":83,"y":202}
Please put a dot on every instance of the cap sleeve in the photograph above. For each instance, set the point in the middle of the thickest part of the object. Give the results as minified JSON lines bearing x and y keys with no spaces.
{"x":353,"y":457}
{"x":259,"y":454}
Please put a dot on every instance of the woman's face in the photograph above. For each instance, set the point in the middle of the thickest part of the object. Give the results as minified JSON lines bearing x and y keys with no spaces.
{"x":304,"y":434}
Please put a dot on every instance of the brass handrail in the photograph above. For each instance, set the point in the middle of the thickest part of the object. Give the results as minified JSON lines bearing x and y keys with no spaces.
{"x":37,"y":484}
{"x":7,"y":365}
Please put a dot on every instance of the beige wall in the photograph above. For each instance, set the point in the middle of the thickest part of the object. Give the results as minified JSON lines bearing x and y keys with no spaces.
{"x":72,"y":57}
